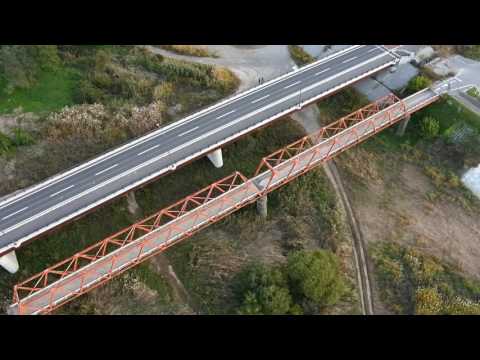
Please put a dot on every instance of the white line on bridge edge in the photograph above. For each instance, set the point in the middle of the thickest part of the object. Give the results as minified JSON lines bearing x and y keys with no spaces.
{"x":348,"y":60}
{"x":178,"y":148}
{"x":321,"y":72}
{"x":188,"y":131}
{"x":149,"y":149}
{"x":101,"y":172}
{"x":58,"y":192}
{"x":262,"y":98}
{"x":221,"y":116}
{"x":16,"y":212}
{"x":295,"y":83}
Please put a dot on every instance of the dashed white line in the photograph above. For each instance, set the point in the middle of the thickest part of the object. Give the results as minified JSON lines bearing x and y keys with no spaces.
{"x":149,"y":149}
{"x":174,"y":150}
{"x":109,"y":168}
{"x":228,"y":113}
{"x":369,"y":51}
{"x":262,"y":98}
{"x":321,"y":72}
{"x":348,"y":60}
{"x":295,"y":83}
{"x":58,"y":192}
{"x":188,"y":131}
{"x":16,"y":212}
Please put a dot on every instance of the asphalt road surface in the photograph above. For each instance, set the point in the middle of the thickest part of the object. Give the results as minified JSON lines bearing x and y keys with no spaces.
{"x":55,"y":201}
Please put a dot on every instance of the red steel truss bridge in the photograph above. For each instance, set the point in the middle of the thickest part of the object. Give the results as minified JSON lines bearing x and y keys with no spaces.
{"x":97,"y":264}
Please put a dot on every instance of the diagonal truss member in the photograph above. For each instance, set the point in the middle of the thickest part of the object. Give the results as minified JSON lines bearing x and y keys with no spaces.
{"x":97,"y":264}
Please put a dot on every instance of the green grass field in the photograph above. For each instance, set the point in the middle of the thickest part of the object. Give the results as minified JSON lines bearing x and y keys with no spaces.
{"x":53,"y":91}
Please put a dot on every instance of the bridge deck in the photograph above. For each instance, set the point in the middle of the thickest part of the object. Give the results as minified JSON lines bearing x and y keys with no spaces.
{"x":64,"y":281}
{"x":71,"y":194}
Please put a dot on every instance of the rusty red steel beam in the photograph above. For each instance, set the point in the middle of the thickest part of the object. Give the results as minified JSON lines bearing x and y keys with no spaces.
{"x":292,"y":160}
{"x":327,"y":132}
{"x":120,"y":239}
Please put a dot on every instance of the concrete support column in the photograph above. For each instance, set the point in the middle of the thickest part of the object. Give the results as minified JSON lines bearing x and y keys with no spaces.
{"x":132,"y":205}
{"x":402,"y":126}
{"x":9,"y":262}
{"x":216,"y":158}
{"x":262,"y":206}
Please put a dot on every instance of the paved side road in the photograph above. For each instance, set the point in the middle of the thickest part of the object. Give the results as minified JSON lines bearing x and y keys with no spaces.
{"x":52,"y":203}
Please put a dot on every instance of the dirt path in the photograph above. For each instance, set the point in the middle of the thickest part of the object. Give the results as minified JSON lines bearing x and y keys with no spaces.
{"x":249,"y":63}
{"x":309,"y":119}
{"x":180,"y":294}
{"x":359,"y":248}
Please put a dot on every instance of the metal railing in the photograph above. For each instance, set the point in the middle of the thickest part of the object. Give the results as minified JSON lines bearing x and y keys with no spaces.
{"x":53,"y":287}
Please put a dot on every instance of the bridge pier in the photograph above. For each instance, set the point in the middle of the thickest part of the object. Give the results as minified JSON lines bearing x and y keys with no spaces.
{"x":216,"y":158}
{"x":9,"y":262}
{"x":402,"y":126}
{"x":262,"y":206}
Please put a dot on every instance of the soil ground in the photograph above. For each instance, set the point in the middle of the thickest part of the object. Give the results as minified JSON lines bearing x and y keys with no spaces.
{"x":390,"y":197}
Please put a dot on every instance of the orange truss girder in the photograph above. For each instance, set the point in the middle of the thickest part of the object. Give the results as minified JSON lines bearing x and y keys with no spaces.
{"x":299,"y":150}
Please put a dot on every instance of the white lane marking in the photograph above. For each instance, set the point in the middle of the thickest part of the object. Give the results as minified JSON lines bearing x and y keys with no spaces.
{"x":262,"y":98}
{"x":101,"y":158}
{"x":373,"y":49}
{"x":188,"y":131}
{"x":128,"y":172}
{"x":16,"y":212}
{"x":348,"y":60}
{"x":105,"y":170}
{"x":149,"y":149}
{"x":58,"y":192}
{"x":321,"y":72}
{"x":228,"y":113}
{"x":295,"y":83}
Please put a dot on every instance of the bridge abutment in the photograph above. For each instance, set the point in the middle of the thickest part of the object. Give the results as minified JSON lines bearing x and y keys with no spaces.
{"x":262,"y":206}
{"x":9,"y":262}
{"x":402,"y":126}
{"x":216,"y":158}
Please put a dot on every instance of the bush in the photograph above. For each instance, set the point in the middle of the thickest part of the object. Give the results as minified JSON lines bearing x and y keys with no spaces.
{"x":264,"y":290}
{"x":300,"y":56}
{"x":473,"y":92}
{"x":48,"y":58}
{"x":6,"y":144}
{"x":418,"y":83}
{"x":21,"y":137}
{"x":424,"y":285}
{"x":316,"y":276}
{"x":163,"y":92}
{"x":430,"y":128}
{"x":189,"y":50}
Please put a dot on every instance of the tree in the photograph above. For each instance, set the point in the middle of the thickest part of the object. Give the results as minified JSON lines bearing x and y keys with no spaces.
{"x":47,"y":57}
{"x":430,"y":127}
{"x":264,"y":290}
{"x":316,"y":276}
{"x":418,"y":83}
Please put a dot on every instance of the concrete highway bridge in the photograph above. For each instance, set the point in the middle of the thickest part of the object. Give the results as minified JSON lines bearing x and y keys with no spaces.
{"x":27,"y":214}
{"x":63,"y":282}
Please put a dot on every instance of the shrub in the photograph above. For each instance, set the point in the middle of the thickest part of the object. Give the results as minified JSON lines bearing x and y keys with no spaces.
{"x":163,"y":92}
{"x":21,"y":137}
{"x":48,"y":58}
{"x":474,"y":92}
{"x":428,"y":301}
{"x":18,"y":65}
{"x":430,"y":127}
{"x":264,"y":290}
{"x":418,"y":83}
{"x":316,"y":276}
{"x":6,"y":144}
{"x":189,"y":50}
{"x":300,"y":56}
